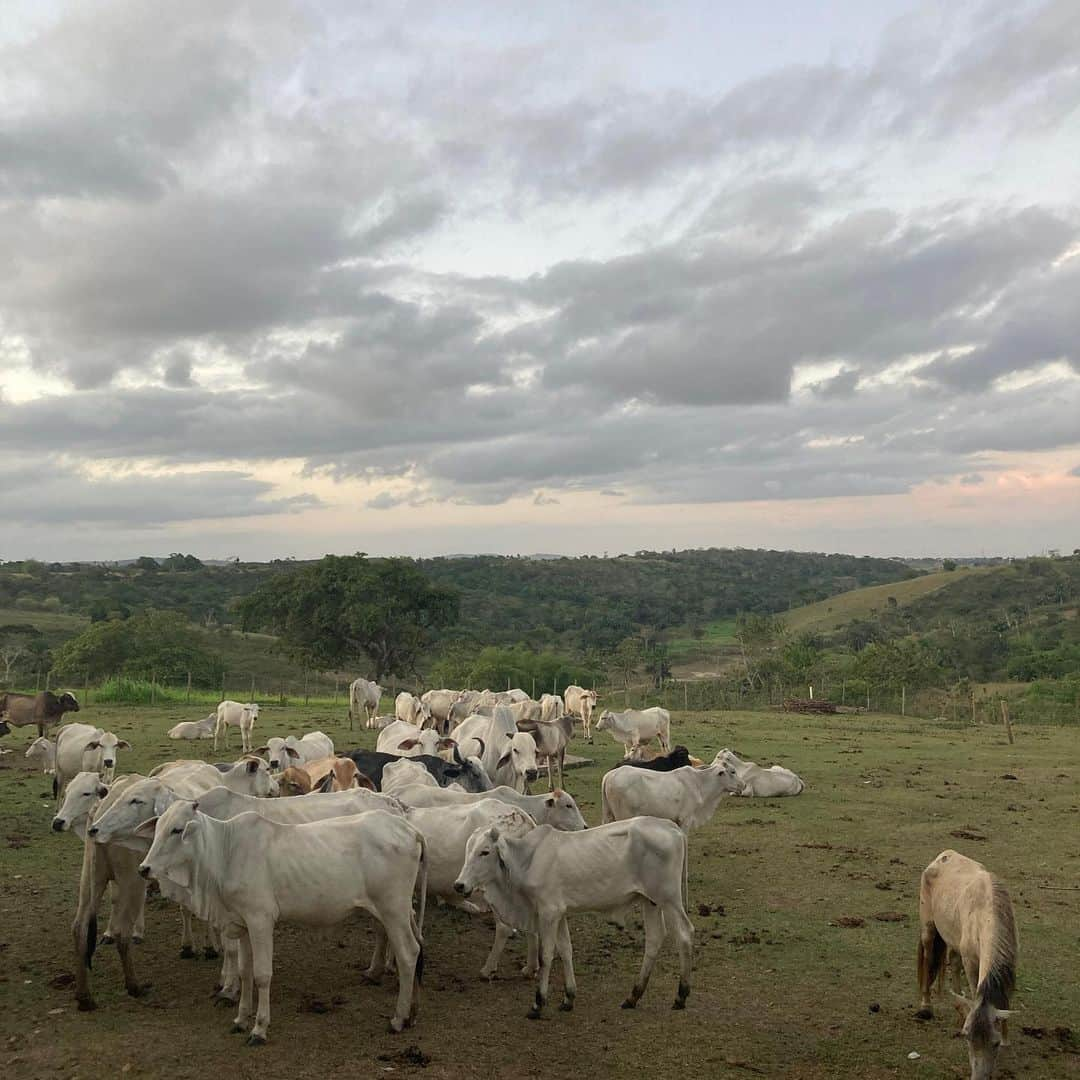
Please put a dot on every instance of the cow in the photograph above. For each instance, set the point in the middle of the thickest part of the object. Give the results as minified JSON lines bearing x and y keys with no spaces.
{"x":551,"y":738}
{"x":763,"y":783}
{"x":316,"y":874}
{"x":551,"y":707}
{"x":632,"y":727}
{"x":508,"y":755}
{"x":281,"y":753}
{"x":465,"y":706}
{"x":519,"y":710}
{"x":405,"y":772}
{"x":411,"y":709}
{"x":468,"y":772}
{"x":194,"y":729}
{"x":364,"y":698}
{"x":43,"y":750}
{"x":678,"y":758}
{"x":325,"y":775}
{"x":556,"y":808}
{"x":581,"y":702}
{"x":688,"y":796}
{"x":236,"y":714}
{"x":409,"y":740}
{"x":534,"y":881}
{"x":42,"y":709}
{"x":250,"y":775}
{"x":439,"y":703}
{"x":83,"y":748}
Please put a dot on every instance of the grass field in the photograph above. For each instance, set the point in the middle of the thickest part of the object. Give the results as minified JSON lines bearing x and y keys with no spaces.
{"x":780,"y":990}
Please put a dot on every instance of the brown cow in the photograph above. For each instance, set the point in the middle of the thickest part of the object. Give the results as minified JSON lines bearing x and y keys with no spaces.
{"x":43,"y":709}
{"x":325,"y":775}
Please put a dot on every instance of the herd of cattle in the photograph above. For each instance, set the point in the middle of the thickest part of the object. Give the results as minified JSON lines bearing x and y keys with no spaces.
{"x":441,"y":810}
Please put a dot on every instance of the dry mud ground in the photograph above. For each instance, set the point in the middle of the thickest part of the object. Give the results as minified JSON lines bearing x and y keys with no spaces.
{"x":781,"y":990}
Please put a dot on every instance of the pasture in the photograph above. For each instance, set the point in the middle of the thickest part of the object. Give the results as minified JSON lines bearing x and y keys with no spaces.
{"x":804,"y":909}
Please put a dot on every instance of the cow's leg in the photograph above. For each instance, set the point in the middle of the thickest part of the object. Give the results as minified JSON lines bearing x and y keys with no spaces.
{"x":138,"y":930}
{"x":261,"y":938}
{"x":244,"y":962}
{"x":230,"y":987}
{"x":406,"y":950}
{"x":377,"y":966}
{"x":95,"y":877}
{"x":655,"y":932}
{"x":547,"y":928}
{"x":676,"y":919}
{"x":187,"y":935}
{"x":665,"y":740}
{"x":491,"y":964}
{"x":928,"y":941}
{"x":212,"y":946}
{"x":566,"y":955}
{"x":130,"y":897}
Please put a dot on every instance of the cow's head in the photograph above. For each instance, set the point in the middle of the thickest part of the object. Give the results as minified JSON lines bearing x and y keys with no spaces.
{"x":484,"y":860}
{"x":68,"y":702}
{"x":169,"y":856}
{"x":520,"y":756}
{"x":4,"y":729}
{"x":107,"y":744}
{"x":293,"y":782}
{"x":561,"y":812}
{"x":605,"y":720}
{"x":984,"y":1028}
{"x":126,"y":819}
{"x":726,"y":778}
{"x":279,"y":755}
{"x":83,"y":794}
{"x":251,"y":776}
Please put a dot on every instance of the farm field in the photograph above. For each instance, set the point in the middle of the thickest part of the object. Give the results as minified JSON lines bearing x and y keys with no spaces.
{"x":780,"y":989}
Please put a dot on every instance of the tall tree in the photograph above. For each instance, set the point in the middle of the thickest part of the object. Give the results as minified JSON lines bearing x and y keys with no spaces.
{"x":348,"y":610}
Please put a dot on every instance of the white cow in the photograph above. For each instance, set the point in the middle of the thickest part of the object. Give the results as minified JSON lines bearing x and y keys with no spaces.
{"x":405,"y":773}
{"x":440,"y":703}
{"x":281,"y":753}
{"x":508,"y":755}
{"x":520,"y":710}
{"x":769,"y":783}
{"x":556,"y":808}
{"x":551,"y":707}
{"x":411,"y":709}
{"x":688,"y":796}
{"x":316,"y":874}
{"x":552,"y":738}
{"x":632,"y":727}
{"x":194,"y":729}
{"x":43,"y":751}
{"x":84,"y":748}
{"x":534,"y":881}
{"x":410,"y":740}
{"x":581,"y":702}
{"x":364,"y":698}
{"x":236,"y":714}
{"x":250,"y":775}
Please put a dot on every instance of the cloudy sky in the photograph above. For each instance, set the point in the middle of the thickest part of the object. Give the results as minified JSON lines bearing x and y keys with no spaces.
{"x":286,"y":278}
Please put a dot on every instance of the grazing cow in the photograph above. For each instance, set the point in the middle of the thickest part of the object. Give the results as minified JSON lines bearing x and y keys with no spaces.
{"x":42,"y":709}
{"x":679,"y":758}
{"x":556,"y":808}
{"x":316,"y":874}
{"x":965,"y":912}
{"x":194,"y":729}
{"x":632,"y":727}
{"x":364,"y":698}
{"x":466,"y":771}
{"x":281,"y":753}
{"x":43,"y":750}
{"x":83,"y":748}
{"x":581,"y":702}
{"x":534,"y":881}
{"x":508,"y":755}
{"x":769,"y":783}
{"x":325,"y":775}
{"x":687,"y":796}
{"x":551,"y":738}
{"x":236,"y":714}
{"x":411,"y":709}
{"x":409,"y":740}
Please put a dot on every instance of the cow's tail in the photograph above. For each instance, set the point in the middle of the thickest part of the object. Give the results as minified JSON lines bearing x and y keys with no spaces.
{"x":91,"y":940}
{"x":606,"y":814}
{"x":802,"y":785}
{"x":686,"y":870}
{"x":423,"y":878}
{"x":55,"y":786}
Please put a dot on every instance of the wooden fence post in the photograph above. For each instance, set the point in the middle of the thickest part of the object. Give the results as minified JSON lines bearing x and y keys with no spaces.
{"x":306,"y":698}
{"x":188,"y":698}
{"x":685,"y":698}
{"x":86,"y":687}
{"x":153,"y":687}
{"x":252,"y":698}
{"x":222,"y":684}
{"x":337,"y":686}
{"x":48,"y":678}
{"x":903,"y":701}
{"x":1005,"y":718}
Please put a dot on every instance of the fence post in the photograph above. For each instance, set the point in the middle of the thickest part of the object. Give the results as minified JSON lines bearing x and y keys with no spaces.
{"x":188,"y":698}
{"x":685,"y":697}
{"x":868,"y":699}
{"x":337,"y":681}
{"x":153,"y":687}
{"x":305,"y":686}
{"x":843,"y":691}
{"x":37,"y":680}
{"x":1005,"y":718}
{"x":252,"y":698}
{"x":903,"y":701}
{"x":534,"y":688}
{"x":222,"y":684}
{"x":86,"y":687}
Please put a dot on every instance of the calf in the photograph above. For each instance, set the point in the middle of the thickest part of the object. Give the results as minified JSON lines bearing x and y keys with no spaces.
{"x":632,"y":727}
{"x":688,"y":796}
{"x":316,"y":874}
{"x":769,"y":783}
{"x":534,"y":881}
{"x":551,"y":738}
{"x":43,"y":750}
{"x":236,"y":714}
{"x":194,"y":729}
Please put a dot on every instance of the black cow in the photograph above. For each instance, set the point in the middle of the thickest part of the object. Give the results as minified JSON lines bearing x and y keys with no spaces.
{"x":678,"y":758}
{"x":4,"y":729}
{"x":462,"y":770}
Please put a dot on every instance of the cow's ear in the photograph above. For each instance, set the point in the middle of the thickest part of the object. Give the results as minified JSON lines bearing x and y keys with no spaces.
{"x":124,"y":743}
{"x":503,"y":760}
{"x":262,"y":750}
{"x":447,"y":744}
{"x":550,"y":801}
{"x":408,"y":744}
{"x":92,"y":745}
{"x":102,"y":791}
{"x":253,"y":766}
{"x":147,"y":828}
{"x":290,"y":750}
{"x":190,"y":829}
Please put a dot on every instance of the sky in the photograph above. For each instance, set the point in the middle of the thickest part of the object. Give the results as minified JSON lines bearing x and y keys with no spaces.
{"x":285,"y":278}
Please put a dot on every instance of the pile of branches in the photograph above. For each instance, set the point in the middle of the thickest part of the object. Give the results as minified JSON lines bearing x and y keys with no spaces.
{"x":809,"y":705}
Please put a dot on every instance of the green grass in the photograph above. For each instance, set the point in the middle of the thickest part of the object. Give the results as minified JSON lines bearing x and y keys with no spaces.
{"x":859,"y":603}
{"x":687,"y":649}
{"x":779,"y":990}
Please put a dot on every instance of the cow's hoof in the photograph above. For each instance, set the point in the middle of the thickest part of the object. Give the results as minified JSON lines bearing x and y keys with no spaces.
{"x":925,"y":1013}
{"x":629,"y":1003}
{"x":136,"y":939}
{"x":87,"y":1004}
{"x":210,"y":953}
{"x":368,"y":977}
{"x":396,"y":1026}
{"x":256,"y":1040}
{"x":237,"y":1029}
{"x":566,"y":1006}
{"x":187,"y":952}
{"x":679,"y":1003}
{"x":534,"y":1013}
{"x":139,"y":989}
{"x":107,"y":939}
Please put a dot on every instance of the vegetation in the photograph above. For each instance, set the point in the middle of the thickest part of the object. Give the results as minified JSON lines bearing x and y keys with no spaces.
{"x":349,"y":611}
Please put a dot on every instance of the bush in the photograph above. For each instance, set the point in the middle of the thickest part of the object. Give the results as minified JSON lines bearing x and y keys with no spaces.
{"x":124,"y":691}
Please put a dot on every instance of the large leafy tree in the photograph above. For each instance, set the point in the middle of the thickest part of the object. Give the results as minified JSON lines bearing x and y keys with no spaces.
{"x":348,"y":609}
